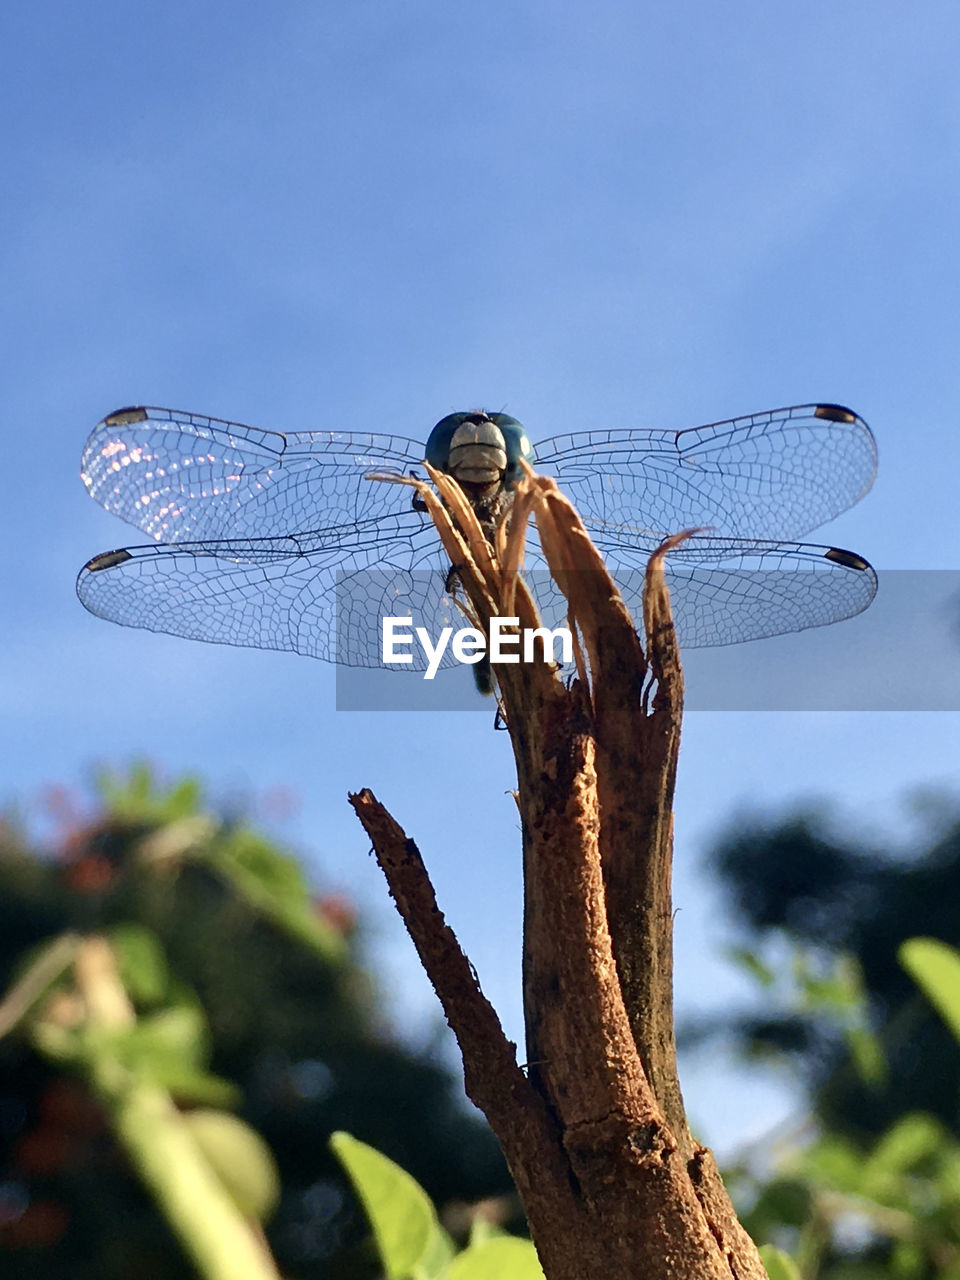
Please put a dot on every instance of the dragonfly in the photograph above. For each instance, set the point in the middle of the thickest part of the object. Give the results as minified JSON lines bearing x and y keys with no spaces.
{"x":283,"y":541}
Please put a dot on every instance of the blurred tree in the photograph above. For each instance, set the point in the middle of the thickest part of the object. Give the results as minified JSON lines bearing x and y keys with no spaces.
{"x":796,"y":882}
{"x":868,"y":1186}
{"x":294,"y":1022}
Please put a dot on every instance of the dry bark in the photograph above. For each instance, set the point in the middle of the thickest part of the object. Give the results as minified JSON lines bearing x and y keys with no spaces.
{"x":595,"y":1133}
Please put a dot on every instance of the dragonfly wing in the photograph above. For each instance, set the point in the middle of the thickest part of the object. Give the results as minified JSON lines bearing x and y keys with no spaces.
{"x":729,"y":590}
{"x":769,"y":475}
{"x":304,"y":594}
{"x":182,"y":477}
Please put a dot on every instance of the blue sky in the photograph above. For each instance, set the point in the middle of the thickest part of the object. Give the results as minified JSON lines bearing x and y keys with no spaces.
{"x":362,"y":216}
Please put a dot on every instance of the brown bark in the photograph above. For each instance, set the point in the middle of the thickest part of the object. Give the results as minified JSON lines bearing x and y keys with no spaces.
{"x":595,"y":1134}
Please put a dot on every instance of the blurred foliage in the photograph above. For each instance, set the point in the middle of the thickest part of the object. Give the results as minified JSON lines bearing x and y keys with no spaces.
{"x":794,"y":888}
{"x":411,"y":1242}
{"x":779,"y":1265}
{"x":848,"y":1213}
{"x":248,"y":993}
{"x":935,"y":968}
{"x":869,"y":1185}
{"x":210,"y":1175}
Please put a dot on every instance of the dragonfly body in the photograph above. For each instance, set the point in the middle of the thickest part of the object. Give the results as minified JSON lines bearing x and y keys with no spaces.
{"x":280,"y":541}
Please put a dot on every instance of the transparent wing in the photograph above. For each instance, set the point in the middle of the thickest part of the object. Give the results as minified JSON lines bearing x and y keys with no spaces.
{"x":276,"y":537}
{"x":727,"y":590}
{"x":311,"y":597}
{"x":306,"y":594}
{"x":770,"y":475}
{"x":183,"y":477}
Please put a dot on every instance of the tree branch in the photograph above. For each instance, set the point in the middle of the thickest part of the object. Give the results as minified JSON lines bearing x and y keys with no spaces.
{"x":596,"y":1136}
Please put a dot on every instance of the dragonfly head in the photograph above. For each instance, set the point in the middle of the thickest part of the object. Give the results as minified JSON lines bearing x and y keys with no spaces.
{"x":479,"y":449}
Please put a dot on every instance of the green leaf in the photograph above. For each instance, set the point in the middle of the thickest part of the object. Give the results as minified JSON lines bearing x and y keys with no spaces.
{"x":835,"y":1164}
{"x":911,"y":1139}
{"x":779,"y":1265}
{"x":785,"y":1200}
{"x":170,"y":1049}
{"x":241,"y":1159}
{"x":935,"y":968}
{"x":180,"y":1033}
{"x":273,"y":883}
{"x":411,"y":1242}
{"x":277,"y":872}
{"x":140,"y":797}
{"x":191,"y":1086}
{"x":750,"y":962}
{"x":499,"y":1258}
{"x":838,"y":993}
{"x":140,"y":959}
{"x":868,"y":1056}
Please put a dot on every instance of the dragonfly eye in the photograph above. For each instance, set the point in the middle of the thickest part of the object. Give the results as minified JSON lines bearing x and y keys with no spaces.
{"x":518,"y":446}
{"x":437,"y":452}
